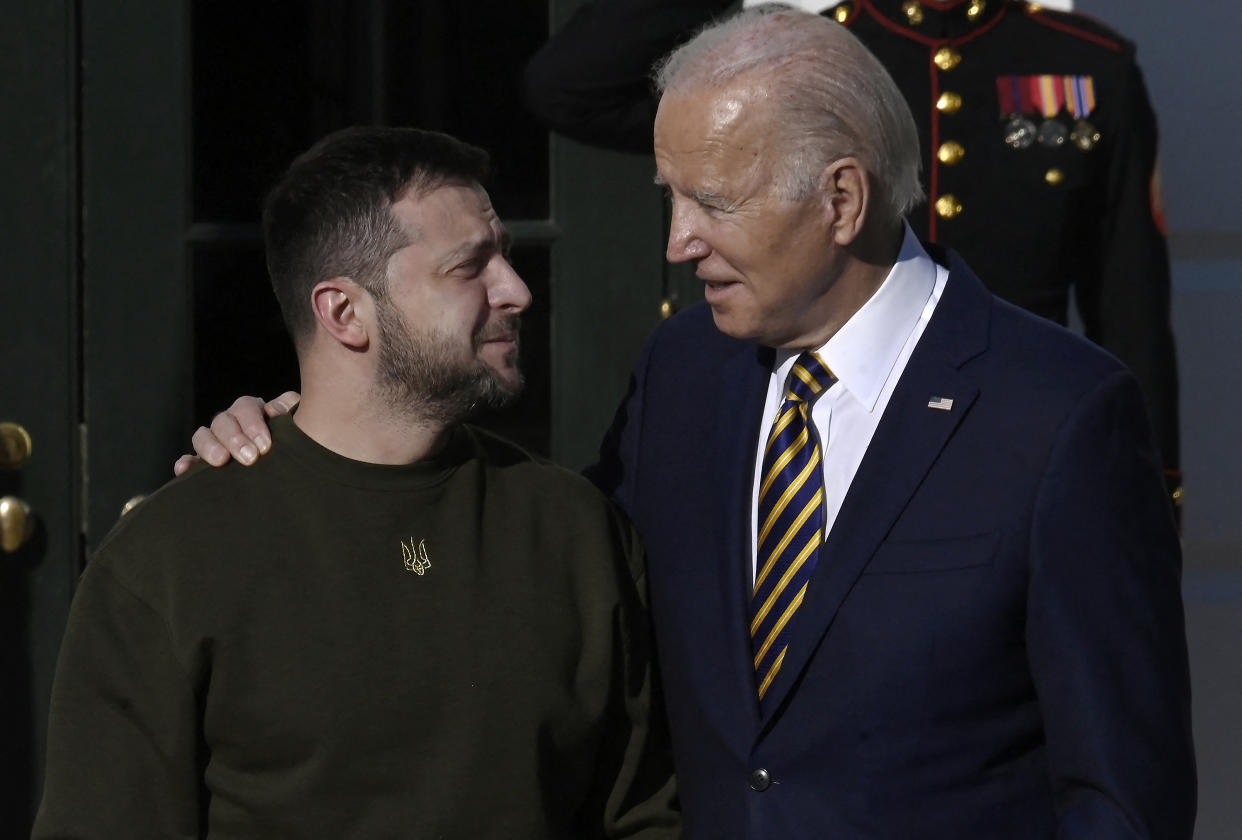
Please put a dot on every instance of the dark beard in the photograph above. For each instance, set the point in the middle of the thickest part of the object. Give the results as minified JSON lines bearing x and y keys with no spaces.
{"x":418,"y":376}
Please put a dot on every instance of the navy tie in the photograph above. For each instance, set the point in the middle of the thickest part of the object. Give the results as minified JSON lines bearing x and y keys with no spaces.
{"x":791,"y":518}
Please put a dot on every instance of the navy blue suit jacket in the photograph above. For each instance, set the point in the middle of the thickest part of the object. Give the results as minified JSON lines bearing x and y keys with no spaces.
{"x":993,"y":643}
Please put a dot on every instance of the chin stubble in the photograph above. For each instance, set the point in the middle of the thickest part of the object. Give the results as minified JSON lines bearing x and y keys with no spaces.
{"x":419,"y":375}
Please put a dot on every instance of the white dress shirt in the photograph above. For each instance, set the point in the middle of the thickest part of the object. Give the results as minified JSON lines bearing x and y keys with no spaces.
{"x":867,"y":355}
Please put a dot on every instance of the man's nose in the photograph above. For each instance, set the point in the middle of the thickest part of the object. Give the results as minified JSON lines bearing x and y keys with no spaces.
{"x":684,"y":242}
{"x":507,"y":290}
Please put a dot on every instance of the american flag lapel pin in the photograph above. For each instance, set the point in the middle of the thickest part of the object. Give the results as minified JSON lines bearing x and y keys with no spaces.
{"x":941,"y":403}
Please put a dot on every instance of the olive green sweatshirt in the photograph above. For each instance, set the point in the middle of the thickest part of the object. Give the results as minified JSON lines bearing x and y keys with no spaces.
{"x":321,"y":648}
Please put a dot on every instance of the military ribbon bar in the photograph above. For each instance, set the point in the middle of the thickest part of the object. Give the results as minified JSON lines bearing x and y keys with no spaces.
{"x":1080,"y":95}
{"x":1011,"y":93}
{"x":1045,"y":95}
{"x":1048,"y":93}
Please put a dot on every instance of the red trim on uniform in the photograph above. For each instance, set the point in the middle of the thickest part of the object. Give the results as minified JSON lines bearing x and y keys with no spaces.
{"x":906,"y":32}
{"x":983,"y":28}
{"x":1041,"y":17}
{"x":1156,"y":198}
{"x":933,"y":176}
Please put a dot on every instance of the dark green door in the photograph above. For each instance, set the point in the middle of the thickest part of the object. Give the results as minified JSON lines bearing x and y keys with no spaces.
{"x":94,"y":396}
{"x":39,"y":395}
{"x":610,"y":282}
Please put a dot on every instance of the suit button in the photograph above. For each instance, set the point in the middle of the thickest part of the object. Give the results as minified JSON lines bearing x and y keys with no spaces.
{"x":946,"y":58}
{"x":947,"y":206}
{"x":951,"y":152}
{"x":842,"y":12}
{"x":949,"y":102}
{"x":760,"y":780}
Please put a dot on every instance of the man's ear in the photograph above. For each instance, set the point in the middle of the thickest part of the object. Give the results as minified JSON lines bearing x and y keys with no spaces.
{"x":340,"y":305}
{"x":846,"y":188}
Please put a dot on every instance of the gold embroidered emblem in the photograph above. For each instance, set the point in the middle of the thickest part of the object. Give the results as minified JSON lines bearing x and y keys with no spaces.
{"x":415,"y":556}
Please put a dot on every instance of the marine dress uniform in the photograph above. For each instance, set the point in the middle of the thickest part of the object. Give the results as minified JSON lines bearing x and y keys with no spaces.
{"x":1040,"y":168}
{"x":1039,"y":150}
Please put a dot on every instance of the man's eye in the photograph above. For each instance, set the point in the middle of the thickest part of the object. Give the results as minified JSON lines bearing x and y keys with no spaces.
{"x":712,"y":203}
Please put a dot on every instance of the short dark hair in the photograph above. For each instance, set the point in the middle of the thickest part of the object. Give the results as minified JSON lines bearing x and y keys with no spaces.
{"x":330,"y":214}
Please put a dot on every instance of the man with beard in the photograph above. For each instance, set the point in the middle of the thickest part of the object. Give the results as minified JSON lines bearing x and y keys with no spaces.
{"x":396,"y":624}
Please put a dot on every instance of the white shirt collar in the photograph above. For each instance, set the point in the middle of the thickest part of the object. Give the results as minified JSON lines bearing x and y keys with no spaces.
{"x":865,"y":350}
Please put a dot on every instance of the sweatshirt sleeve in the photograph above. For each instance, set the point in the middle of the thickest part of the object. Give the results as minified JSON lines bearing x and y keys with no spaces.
{"x":635,"y":774}
{"x":122,"y":755}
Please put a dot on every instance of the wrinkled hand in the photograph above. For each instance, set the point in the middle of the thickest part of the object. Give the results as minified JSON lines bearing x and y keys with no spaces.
{"x":240,"y":432}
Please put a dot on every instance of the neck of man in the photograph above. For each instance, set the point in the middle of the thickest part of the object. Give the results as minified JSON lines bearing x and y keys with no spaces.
{"x":343,"y":413}
{"x":865,"y":265}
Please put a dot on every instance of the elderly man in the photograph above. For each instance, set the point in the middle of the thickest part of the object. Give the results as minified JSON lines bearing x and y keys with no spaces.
{"x":1038,"y":147}
{"x":913,"y":572}
{"x":397,"y":625}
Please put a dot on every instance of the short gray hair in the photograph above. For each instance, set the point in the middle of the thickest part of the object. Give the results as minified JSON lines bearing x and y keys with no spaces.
{"x":833,"y":96}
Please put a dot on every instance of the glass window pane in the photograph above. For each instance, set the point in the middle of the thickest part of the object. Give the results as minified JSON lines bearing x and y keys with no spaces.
{"x":271,"y":77}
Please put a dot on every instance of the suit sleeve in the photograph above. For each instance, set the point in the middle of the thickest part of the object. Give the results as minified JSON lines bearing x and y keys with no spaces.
{"x":1106,"y":631}
{"x":122,"y":734}
{"x":615,"y":470}
{"x":1128,"y":312}
{"x":592,"y":80}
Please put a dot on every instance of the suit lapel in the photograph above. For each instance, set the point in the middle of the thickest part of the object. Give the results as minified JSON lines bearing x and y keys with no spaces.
{"x":906,"y":443}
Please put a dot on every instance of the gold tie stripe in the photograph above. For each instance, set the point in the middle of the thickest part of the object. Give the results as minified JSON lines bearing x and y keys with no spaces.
{"x":791,"y":518}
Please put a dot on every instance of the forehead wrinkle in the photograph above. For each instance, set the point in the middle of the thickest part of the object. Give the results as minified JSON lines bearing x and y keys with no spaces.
{"x":724,"y":138}
{"x":496,"y":238}
{"x":471,"y":246}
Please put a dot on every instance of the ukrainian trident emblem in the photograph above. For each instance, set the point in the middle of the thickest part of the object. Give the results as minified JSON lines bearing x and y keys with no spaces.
{"x":415,"y":556}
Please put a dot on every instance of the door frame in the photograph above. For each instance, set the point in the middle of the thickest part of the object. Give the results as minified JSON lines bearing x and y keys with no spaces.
{"x":39,"y":373}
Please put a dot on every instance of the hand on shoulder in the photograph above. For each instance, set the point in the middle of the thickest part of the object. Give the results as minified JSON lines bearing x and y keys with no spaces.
{"x":238,"y":433}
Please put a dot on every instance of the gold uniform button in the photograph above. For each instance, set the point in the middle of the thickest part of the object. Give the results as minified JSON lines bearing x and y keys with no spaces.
{"x":1054,"y":176}
{"x":914,"y":12}
{"x":947,"y":206}
{"x":975,"y":9}
{"x":949,"y":102}
{"x":951,"y":152}
{"x":946,"y":58}
{"x":842,"y":12}
{"x":667,"y":308}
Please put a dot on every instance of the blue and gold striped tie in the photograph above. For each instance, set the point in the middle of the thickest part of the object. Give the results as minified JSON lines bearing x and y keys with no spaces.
{"x":791,"y":518}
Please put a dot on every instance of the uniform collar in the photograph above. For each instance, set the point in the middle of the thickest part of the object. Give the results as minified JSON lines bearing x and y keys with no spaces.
{"x":927,"y":21}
